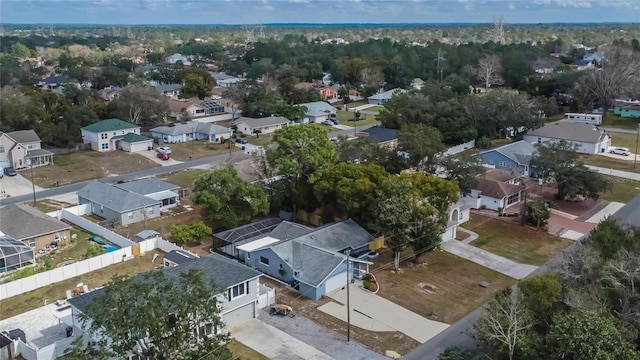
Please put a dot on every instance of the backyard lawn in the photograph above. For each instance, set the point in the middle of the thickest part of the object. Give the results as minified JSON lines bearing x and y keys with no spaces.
{"x":184,"y":178}
{"x":616,"y":121}
{"x":622,"y":190}
{"x":522,"y":244}
{"x":346,"y":118}
{"x":28,"y":301}
{"x":198,"y":149}
{"x":88,"y":165}
{"x":443,"y":287}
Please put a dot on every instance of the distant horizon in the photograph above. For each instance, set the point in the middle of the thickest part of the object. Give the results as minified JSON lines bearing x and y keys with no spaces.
{"x":316,"y":12}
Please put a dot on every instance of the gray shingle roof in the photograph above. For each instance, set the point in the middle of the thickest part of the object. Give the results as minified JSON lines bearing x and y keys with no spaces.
{"x":387,"y":94}
{"x":24,"y":136}
{"x":318,"y":108}
{"x":380,"y":134}
{"x":113,"y":197}
{"x":289,"y":230}
{"x":218,"y":269}
{"x":338,"y":236}
{"x":22,"y":222}
{"x":57,"y":79}
{"x":188,"y":128}
{"x":168,"y":87}
{"x":146,"y":234}
{"x":147,"y":186}
{"x":629,"y":214}
{"x":179,"y":257}
{"x":519,"y":151}
{"x":570,"y":131}
{"x":261,"y":122}
{"x":254,"y":230}
{"x":312,"y":264}
{"x":109,"y":125}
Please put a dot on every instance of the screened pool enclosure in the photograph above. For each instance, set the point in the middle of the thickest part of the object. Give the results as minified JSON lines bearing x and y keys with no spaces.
{"x":14,"y":254}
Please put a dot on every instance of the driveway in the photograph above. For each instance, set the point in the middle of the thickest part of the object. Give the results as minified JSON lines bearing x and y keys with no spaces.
{"x":487,"y":259}
{"x":17,"y":185}
{"x":273,"y":343}
{"x":375,"y":313}
{"x":152,"y":155}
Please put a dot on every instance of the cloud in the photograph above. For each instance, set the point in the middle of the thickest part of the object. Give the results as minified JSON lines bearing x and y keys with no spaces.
{"x":512,"y":7}
{"x":574,"y":3}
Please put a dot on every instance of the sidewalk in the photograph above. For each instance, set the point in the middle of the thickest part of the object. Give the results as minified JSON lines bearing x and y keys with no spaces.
{"x":488,"y":260}
{"x":614,"y":172}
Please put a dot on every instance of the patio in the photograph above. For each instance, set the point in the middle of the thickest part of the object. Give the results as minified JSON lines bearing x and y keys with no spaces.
{"x":42,"y":326}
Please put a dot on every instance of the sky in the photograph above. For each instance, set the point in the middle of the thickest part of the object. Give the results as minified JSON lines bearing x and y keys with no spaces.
{"x":138,"y":12}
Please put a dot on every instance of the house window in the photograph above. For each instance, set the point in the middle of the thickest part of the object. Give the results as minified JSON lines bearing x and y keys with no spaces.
{"x":490,"y":162}
{"x":122,"y":132}
{"x":101,"y":208}
{"x":539,"y":140}
{"x":30,"y":147}
{"x":114,"y":133}
{"x":105,"y":146}
{"x":513,"y":199}
{"x":130,"y":216}
{"x":134,"y":357}
{"x":150,"y":211}
{"x":502,"y":163}
{"x":264,"y":260}
{"x":281,"y":267}
{"x":206,"y":330}
{"x":248,"y":255}
{"x":32,"y":242}
{"x":238,"y":291}
{"x":1,"y":148}
{"x":104,"y":136}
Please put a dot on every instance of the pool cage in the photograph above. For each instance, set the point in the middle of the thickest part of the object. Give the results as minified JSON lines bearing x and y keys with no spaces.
{"x":14,"y":254}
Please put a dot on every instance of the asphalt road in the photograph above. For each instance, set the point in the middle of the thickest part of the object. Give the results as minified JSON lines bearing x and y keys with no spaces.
{"x":124,"y":177}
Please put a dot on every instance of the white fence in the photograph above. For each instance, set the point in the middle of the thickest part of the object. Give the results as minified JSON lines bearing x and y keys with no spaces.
{"x":49,"y":352}
{"x":214,"y":118}
{"x":460,"y":148}
{"x":267,"y":297}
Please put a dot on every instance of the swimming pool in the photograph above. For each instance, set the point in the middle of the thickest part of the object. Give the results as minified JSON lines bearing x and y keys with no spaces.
{"x":110,"y":248}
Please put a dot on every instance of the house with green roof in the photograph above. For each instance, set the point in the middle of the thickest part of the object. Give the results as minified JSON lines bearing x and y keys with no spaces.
{"x":115,"y":134}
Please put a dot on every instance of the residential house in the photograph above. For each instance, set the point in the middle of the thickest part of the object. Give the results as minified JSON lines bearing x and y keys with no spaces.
{"x":385,"y":138}
{"x":177,"y":257}
{"x":109,"y":93}
{"x":312,"y":261}
{"x":587,"y":138}
{"x":172,"y":59}
{"x":266,"y":125}
{"x":545,"y":66}
{"x":145,"y":69}
{"x":382,"y":98}
{"x":514,"y":157}
{"x":495,"y":189}
{"x":169,"y":90}
{"x":189,"y":131}
{"x":53,"y":82}
{"x":129,"y":202}
{"x":23,"y":148}
{"x":417,"y":84}
{"x":194,"y":107}
{"x":15,"y":254}
{"x":318,"y":111}
{"x":239,"y":294}
{"x":32,"y":227}
{"x":226,"y":80}
{"x":330,"y":92}
{"x":627,"y":108}
{"x":114,"y":134}
{"x":458,"y":214}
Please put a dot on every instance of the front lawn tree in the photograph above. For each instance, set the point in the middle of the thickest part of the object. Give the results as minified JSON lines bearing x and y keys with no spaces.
{"x":162,"y":311}
{"x":228,"y":198}
{"x":301,"y":150}
{"x":559,"y":160}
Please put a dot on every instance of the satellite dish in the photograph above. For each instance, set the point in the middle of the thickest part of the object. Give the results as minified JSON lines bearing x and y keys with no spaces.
{"x":74,"y":236}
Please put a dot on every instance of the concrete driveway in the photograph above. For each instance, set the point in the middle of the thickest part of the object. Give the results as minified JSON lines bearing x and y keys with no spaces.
{"x":375,"y":313}
{"x":17,"y":185}
{"x":273,"y":343}
{"x":152,"y":155}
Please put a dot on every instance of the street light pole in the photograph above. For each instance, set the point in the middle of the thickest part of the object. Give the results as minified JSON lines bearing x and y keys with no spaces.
{"x":635,"y":159}
{"x":33,"y":185}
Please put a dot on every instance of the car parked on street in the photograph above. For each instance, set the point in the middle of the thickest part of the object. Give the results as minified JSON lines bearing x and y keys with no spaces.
{"x":620,"y":151}
{"x":164,"y":150}
{"x":9,"y":171}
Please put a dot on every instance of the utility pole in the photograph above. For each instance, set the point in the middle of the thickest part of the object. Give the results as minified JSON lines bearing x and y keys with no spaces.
{"x":635,"y":159}
{"x":348,"y":304}
{"x":33,"y":185}
{"x":524,"y":202}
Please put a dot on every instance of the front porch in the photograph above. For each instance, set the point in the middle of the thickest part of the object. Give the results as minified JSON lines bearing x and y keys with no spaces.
{"x":40,"y":157}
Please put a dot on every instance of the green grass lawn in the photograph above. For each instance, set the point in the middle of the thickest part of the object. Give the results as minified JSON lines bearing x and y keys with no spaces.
{"x":612,"y":120}
{"x":346,"y":118}
{"x":184,"y":178}
{"x":198,"y":149}
{"x":519,"y":243}
{"x":622,"y":190}
{"x":624,"y":140}
{"x":376,"y":108}
{"x":243,"y":352}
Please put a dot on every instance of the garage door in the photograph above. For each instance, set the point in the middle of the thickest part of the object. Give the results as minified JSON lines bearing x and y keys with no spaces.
{"x":4,"y":164}
{"x":238,"y":316}
{"x":335,"y":282}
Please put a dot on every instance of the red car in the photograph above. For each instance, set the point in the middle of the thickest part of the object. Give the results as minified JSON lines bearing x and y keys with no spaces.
{"x":163,"y":156}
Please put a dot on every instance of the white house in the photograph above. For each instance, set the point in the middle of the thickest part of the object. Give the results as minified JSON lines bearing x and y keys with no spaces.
{"x":22,"y":148}
{"x":495,"y":189}
{"x":178,"y":57}
{"x":417,"y":84}
{"x":318,"y":111}
{"x":382,"y":98}
{"x":114,"y":134}
{"x":169,"y":90}
{"x":587,"y":138}
{"x":266,"y":125}
{"x":191,"y":130}
{"x":226,"y":80}
{"x":458,"y":215}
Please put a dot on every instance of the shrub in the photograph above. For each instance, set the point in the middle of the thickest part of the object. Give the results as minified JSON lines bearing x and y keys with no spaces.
{"x":23,"y":273}
{"x":483,"y":143}
{"x":94,"y":250}
{"x":366,"y":284}
{"x":483,"y":207}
